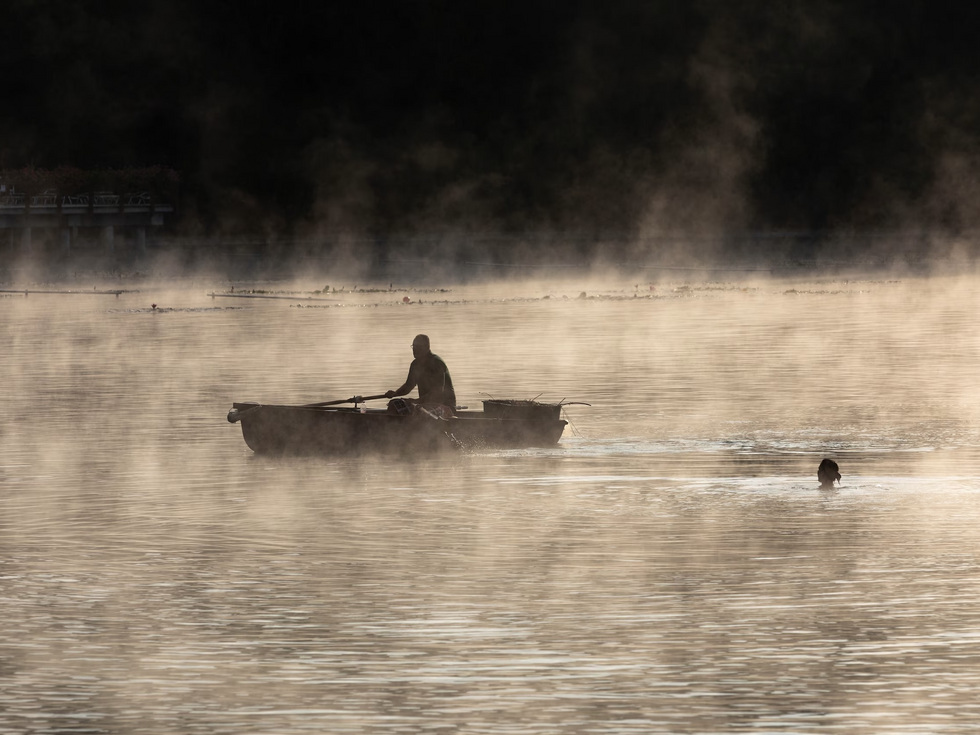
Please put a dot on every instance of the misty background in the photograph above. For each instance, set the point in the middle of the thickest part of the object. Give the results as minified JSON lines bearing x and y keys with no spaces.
{"x":613,"y":129}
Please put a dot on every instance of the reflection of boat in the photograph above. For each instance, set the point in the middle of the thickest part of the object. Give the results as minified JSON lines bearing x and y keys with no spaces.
{"x":333,"y":429}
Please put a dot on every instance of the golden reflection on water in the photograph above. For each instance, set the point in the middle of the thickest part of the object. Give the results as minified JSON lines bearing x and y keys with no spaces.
{"x":670,"y":567}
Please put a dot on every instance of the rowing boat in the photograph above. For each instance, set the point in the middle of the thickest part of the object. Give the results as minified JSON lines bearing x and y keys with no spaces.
{"x":319,"y":429}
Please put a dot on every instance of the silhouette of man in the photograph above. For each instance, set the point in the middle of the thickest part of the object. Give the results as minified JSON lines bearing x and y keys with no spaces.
{"x":430,"y":374}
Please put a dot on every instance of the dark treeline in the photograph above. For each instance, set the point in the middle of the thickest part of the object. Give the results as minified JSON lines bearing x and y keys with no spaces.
{"x":619,"y":117}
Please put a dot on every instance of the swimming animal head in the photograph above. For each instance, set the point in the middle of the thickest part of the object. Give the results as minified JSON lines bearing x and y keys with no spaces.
{"x":827,"y":472}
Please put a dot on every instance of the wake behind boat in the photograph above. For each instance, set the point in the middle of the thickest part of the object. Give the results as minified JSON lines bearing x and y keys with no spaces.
{"x":332,"y":429}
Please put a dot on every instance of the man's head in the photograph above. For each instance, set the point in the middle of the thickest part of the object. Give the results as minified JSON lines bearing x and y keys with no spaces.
{"x":827,"y":472}
{"x":420,"y":345}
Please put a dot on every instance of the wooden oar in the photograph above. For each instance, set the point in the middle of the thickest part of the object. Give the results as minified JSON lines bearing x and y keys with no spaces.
{"x":236,"y":412}
{"x":355,"y":399}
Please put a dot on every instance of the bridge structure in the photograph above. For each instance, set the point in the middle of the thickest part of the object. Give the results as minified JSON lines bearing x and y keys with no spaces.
{"x":27,"y":218}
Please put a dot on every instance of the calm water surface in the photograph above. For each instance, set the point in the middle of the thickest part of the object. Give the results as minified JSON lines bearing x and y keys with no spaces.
{"x":670,"y":567}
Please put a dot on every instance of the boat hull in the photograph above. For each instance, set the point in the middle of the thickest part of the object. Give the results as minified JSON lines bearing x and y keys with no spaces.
{"x":310,"y":430}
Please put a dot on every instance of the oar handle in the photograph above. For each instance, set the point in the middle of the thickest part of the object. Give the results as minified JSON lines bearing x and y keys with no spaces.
{"x":235,"y":414}
{"x":361,"y":399}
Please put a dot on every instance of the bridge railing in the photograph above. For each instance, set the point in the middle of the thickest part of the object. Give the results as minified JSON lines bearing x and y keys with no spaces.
{"x":47,"y":198}
{"x":100,"y":199}
{"x":138,"y":199}
{"x":105,"y":199}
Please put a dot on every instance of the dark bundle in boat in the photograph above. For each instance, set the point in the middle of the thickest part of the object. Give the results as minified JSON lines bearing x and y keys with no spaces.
{"x":524,"y":410}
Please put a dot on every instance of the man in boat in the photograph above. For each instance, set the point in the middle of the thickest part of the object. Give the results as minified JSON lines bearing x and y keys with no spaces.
{"x":431,"y":375}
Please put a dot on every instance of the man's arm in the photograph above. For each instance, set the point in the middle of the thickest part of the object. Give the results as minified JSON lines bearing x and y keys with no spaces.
{"x":405,"y":389}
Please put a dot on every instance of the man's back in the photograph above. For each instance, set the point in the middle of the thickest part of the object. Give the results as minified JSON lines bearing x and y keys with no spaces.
{"x":434,"y":382}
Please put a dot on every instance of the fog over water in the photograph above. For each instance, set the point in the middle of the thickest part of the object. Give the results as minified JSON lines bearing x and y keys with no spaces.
{"x":671,"y":566}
